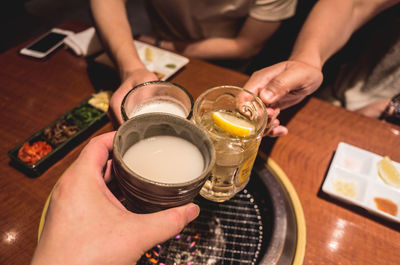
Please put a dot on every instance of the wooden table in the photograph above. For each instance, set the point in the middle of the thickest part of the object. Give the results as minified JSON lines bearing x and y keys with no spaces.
{"x":34,"y":93}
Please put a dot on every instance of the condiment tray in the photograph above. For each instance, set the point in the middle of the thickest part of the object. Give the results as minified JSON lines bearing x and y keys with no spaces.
{"x":162,"y":62}
{"x":353,"y":178}
{"x":59,"y":149}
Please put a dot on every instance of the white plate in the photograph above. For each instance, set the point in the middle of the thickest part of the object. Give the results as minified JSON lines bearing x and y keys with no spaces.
{"x":164,"y":63}
{"x":353,"y":178}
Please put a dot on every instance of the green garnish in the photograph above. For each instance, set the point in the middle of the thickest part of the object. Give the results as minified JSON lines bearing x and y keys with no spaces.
{"x":83,"y":116}
{"x":170,"y":65}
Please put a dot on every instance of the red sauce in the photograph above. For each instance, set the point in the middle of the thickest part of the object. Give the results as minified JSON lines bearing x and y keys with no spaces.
{"x":386,"y":205}
{"x":30,"y":154}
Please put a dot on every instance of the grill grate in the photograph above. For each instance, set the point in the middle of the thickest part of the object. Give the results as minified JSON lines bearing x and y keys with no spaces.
{"x":224,"y":233}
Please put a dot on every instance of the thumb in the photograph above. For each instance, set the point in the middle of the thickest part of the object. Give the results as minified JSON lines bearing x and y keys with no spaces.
{"x":297,"y":79}
{"x":163,"y":225}
{"x":284,"y":83}
{"x":260,"y":79}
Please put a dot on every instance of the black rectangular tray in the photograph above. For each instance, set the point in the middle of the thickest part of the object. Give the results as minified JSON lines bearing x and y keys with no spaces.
{"x":60,"y":150}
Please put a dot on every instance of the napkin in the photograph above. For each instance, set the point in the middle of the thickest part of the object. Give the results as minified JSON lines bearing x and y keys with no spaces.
{"x":84,"y":43}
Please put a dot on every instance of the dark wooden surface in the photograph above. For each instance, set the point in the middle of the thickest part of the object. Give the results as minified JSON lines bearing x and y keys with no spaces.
{"x":34,"y":93}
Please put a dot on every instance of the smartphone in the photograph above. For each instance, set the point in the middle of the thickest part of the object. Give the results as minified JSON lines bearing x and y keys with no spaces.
{"x":46,"y":44}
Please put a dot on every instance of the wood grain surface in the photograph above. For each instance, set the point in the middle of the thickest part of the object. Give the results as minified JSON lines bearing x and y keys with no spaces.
{"x":34,"y":93}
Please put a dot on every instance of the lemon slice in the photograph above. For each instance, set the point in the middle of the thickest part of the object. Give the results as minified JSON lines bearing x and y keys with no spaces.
{"x":388,"y":172}
{"x":233,"y":124}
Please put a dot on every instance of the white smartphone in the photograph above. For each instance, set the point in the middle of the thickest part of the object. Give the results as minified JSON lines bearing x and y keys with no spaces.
{"x":46,"y":44}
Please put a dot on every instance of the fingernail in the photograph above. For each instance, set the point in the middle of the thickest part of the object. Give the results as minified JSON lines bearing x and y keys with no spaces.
{"x":268,"y":95}
{"x":270,"y":112}
{"x":192,"y":211}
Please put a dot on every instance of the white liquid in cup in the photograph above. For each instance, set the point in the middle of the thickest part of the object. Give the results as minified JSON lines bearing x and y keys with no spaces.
{"x":165,"y":159}
{"x":159,"y":105}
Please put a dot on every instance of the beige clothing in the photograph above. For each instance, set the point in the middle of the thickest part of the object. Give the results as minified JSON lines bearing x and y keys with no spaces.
{"x":376,"y":73}
{"x":200,"y":19}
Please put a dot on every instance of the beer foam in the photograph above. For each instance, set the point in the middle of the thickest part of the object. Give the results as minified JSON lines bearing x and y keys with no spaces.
{"x":164,"y":106}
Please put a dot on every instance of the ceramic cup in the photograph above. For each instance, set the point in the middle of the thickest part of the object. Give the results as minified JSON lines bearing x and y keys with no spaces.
{"x":142,"y":194}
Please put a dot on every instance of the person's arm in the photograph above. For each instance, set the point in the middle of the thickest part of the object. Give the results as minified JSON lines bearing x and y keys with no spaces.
{"x":250,"y":40}
{"x":327,"y":28}
{"x":330,"y":25}
{"x":114,"y":29}
{"x":86,"y":224}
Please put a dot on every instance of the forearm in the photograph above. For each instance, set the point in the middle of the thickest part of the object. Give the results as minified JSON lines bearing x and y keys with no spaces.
{"x":330,"y":25}
{"x":114,"y":29}
{"x":216,"y":49}
{"x":249,"y":42}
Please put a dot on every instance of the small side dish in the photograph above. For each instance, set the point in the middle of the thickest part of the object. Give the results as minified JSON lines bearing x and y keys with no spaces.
{"x":159,"y":61}
{"x":365,"y":179}
{"x":45,"y":147}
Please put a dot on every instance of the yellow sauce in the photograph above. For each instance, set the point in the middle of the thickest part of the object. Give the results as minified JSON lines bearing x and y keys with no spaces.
{"x":344,"y":188}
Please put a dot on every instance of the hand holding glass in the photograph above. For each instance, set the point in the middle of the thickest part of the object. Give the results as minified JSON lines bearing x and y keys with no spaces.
{"x":235,"y":120}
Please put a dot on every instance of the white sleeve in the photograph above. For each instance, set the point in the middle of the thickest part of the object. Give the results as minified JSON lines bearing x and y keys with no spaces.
{"x":273,"y":10}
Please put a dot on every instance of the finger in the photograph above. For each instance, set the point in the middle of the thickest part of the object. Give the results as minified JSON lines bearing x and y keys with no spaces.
{"x":286,"y":82}
{"x":116,"y":101}
{"x":165,"y":224}
{"x":272,"y":112}
{"x":288,"y":101}
{"x":259,"y":80}
{"x":297,"y":80}
{"x":272,"y":124}
{"x":107,"y":171}
{"x":92,"y":159}
{"x":275,"y":123}
{"x":96,"y":152}
{"x":278,"y":131}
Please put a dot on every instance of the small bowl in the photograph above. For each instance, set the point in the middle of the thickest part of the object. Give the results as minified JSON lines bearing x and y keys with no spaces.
{"x":157,"y":96}
{"x":142,"y":194}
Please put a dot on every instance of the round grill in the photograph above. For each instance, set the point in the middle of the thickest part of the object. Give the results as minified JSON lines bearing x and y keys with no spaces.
{"x":224,"y":233}
{"x":257,"y":226}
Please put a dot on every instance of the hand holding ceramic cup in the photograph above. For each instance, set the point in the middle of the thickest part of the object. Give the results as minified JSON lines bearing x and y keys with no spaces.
{"x":157,"y":96}
{"x":161,"y":161}
{"x":235,"y":120}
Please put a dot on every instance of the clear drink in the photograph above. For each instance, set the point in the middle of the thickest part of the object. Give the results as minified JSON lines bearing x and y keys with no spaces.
{"x":235,"y":120}
{"x":234,"y":160}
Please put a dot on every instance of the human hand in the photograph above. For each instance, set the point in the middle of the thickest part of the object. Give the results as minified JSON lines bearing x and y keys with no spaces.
{"x":86,"y":224}
{"x":285,"y":84}
{"x":129,"y":80}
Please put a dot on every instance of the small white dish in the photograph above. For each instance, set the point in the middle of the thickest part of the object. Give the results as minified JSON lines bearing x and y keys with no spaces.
{"x":162,"y":62}
{"x":353,"y":177}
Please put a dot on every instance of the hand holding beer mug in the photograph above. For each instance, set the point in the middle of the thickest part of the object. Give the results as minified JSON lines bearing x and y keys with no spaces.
{"x":235,"y":120}
{"x":157,"y":96}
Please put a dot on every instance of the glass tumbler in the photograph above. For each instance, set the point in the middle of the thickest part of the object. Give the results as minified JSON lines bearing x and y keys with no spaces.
{"x":235,"y":120}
